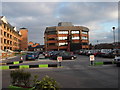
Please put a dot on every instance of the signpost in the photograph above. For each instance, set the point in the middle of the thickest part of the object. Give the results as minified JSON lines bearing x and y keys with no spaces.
{"x":59,"y":59}
{"x":92,"y":58}
{"x":21,"y":58}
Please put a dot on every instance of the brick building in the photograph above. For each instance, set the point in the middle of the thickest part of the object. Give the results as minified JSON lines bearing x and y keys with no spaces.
{"x":35,"y":46}
{"x":24,"y":38}
{"x":66,"y":37}
{"x":30,"y":43}
{"x":10,"y":37}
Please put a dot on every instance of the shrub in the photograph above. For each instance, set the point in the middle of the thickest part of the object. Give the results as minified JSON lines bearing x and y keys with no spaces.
{"x":19,"y":77}
{"x":47,"y":83}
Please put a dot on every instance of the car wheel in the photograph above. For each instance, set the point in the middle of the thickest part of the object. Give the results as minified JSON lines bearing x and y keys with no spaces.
{"x":72,"y":58}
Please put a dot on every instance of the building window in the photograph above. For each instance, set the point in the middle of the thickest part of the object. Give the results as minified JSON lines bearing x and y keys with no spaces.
{"x":1,"y":32}
{"x":75,"y":38}
{"x":10,"y":30}
{"x":1,"y":40}
{"x":75,"y":32}
{"x":10,"y":48}
{"x":7,"y":28}
{"x":51,"y":39}
{"x":4,"y":33}
{"x":5,"y":48}
{"x":84,"y":43}
{"x":62,"y":38}
{"x":63,"y":44}
{"x":5,"y":41}
{"x":84,"y":38}
{"x":10,"y":42}
{"x":62,"y":32}
{"x":10,"y":36}
{"x":51,"y":44}
{"x":51,"y":32}
{"x":84,"y":32}
{"x":15,"y":44}
{"x":4,"y":25}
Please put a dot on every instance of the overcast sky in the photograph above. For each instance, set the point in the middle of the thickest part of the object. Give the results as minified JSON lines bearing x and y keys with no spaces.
{"x":99,"y":17}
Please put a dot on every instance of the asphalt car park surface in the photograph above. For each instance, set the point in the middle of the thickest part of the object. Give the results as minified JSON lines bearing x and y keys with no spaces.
{"x":74,"y":74}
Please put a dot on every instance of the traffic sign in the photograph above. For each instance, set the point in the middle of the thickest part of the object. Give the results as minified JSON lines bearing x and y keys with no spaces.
{"x":59,"y":58}
{"x":92,"y":57}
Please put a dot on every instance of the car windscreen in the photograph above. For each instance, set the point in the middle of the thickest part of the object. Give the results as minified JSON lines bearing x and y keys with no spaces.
{"x":65,"y":54}
{"x":30,"y":53}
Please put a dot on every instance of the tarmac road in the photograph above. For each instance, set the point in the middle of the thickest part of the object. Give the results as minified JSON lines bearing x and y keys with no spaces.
{"x":75,"y":73}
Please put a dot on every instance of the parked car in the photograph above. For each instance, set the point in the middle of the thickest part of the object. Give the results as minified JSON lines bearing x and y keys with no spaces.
{"x":47,"y":54}
{"x":90,"y":52}
{"x":80,"y":52}
{"x":8,"y":50}
{"x":32,"y":56}
{"x":117,"y":59}
{"x":65,"y":56}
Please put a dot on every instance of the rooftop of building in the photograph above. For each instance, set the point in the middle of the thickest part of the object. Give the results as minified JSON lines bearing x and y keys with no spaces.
{"x":4,"y":21}
{"x":23,"y":28}
{"x":66,"y":26}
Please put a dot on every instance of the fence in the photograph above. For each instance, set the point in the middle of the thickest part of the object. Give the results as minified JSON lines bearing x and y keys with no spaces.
{"x":7,"y":55}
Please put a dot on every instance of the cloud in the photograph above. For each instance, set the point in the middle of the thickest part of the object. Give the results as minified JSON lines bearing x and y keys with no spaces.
{"x":36,"y":16}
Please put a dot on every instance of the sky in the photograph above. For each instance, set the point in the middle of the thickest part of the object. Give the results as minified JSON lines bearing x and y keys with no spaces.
{"x":99,"y":17}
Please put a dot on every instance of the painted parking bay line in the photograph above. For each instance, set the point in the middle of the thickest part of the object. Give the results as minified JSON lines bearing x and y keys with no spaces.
{"x":24,"y":66}
{"x":4,"y":67}
{"x":43,"y":65}
{"x":17,"y":62}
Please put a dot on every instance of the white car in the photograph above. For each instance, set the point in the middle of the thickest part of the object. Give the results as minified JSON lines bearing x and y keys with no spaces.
{"x":117,"y":59}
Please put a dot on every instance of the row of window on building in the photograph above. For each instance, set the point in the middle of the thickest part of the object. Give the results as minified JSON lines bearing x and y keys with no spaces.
{"x":66,"y":32}
{"x":73,"y":38}
{"x":63,"y":44}
{"x":5,"y":34}
{"x":72,"y":32}
{"x":5,"y":41}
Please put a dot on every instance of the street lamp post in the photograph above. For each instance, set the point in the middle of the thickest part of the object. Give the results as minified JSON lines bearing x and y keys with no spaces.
{"x":114,"y":35}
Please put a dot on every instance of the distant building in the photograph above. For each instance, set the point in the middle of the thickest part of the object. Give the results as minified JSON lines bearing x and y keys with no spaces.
{"x":24,"y":39}
{"x":10,"y":37}
{"x":107,"y":46}
{"x":66,"y":37}
{"x":30,"y":43}
{"x":35,"y":46}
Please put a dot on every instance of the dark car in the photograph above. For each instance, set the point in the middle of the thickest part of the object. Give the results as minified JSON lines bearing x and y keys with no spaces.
{"x":48,"y":54}
{"x":65,"y":56}
{"x":32,"y":55}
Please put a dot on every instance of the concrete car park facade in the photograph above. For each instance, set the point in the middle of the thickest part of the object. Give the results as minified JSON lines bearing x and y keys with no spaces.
{"x":66,"y":37}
